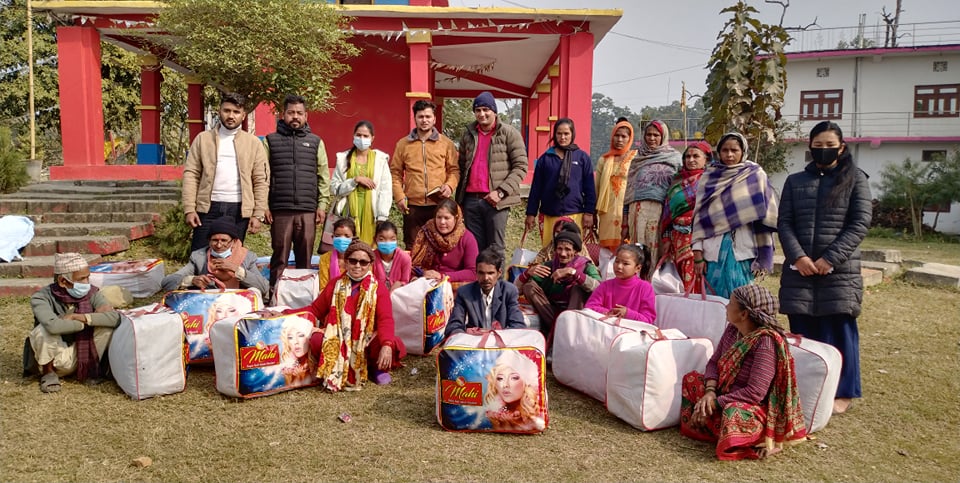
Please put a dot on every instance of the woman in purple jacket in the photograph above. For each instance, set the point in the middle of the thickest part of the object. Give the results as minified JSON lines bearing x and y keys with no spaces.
{"x":562,"y":184}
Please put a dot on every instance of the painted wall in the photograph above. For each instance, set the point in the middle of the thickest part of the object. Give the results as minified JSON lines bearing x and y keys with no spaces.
{"x":872,"y":160}
{"x":886,"y":90}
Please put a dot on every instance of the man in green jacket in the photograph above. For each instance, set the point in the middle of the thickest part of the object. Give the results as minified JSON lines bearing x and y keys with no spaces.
{"x":73,"y":323}
{"x":493,"y":163}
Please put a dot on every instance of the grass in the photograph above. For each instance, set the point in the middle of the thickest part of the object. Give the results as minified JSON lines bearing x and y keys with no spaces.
{"x":903,"y":430}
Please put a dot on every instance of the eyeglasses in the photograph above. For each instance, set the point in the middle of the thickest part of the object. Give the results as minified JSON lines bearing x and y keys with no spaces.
{"x":357,"y":261}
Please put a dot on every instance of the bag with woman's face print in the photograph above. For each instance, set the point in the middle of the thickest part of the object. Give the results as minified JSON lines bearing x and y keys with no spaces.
{"x":493,"y":382}
{"x":201,"y":308}
{"x":421,"y":310}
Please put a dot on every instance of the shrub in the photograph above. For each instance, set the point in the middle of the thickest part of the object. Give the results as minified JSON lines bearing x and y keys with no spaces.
{"x":175,"y":234}
{"x":13,"y":165}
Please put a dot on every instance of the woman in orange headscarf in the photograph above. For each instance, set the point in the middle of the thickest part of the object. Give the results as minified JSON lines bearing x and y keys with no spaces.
{"x":612,"y":170}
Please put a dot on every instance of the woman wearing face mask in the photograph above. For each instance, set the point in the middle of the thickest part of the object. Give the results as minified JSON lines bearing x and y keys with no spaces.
{"x":824,"y":215}
{"x":356,"y":336}
{"x":562,"y":184}
{"x":362,"y":178}
{"x":392,"y":265}
{"x":331,"y":264}
{"x":224,"y":263}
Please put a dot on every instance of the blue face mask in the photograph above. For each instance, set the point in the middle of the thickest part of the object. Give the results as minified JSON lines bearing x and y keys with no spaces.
{"x":387,"y":247}
{"x":341,"y":243}
{"x":79,"y":290}
{"x":224,"y":254}
{"x":361,"y":143}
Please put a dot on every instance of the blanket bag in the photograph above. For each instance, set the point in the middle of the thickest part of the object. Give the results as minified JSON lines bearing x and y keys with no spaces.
{"x":493,"y":382}
{"x":581,"y":348}
{"x":201,"y":308}
{"x":817,"y":367}
{"x":147,"y":353}
{"x":255,"y":356}
{"x":646,"y":369}
{"x":297,"y":287}
{"x":696,"y":315}
{"x":421,"y":310}
{"x":141,"y":277}
{"x":530,"y":316}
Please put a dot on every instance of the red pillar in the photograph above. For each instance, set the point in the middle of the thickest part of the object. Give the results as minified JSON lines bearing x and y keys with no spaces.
{"x":150,"y":79}
{"x":439,"y":102}
{"x":531,"y":120}
{"x":81,"y":100}
{"x":419,"y":41}
{"x":576,"y":82}
{"x":543,"y":127}
{"x":194,"y":106}
{"x":555,"y":89}
{"x":265,"y":120}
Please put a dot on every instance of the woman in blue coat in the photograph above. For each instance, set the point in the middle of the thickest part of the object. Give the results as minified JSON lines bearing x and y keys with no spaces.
{"x":825,"y":212}
{"x":562,"y":184}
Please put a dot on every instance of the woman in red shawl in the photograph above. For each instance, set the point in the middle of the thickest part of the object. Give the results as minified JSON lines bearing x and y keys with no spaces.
{"x":677,"y":217}
{"x":747,"y":401}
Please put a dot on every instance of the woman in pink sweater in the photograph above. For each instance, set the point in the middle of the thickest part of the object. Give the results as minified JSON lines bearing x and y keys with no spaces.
{"x":628,"y":295}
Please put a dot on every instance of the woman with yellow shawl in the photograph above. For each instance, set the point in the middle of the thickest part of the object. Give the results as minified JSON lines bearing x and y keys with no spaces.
{"x":612,"y":170}
{"x":362,"y":179}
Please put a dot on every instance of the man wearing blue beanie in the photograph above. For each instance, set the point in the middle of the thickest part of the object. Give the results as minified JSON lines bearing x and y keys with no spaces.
{"x":493,"y":163}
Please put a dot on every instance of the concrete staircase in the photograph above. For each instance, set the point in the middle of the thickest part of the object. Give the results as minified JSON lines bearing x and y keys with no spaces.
{"x":96,"y":218}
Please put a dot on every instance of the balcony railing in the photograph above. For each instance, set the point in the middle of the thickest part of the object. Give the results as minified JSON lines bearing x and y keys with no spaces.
{"x":886,"y":124}
{"x":908,"y":35}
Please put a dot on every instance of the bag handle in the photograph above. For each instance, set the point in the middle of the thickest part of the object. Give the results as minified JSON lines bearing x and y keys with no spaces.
{"x":496,"y":335}
{"x":616,"y":323}
{"x":301,"y":278}
{"x":655,"y":334}
{"x":523,"y":238}
{"x":794,"y":339}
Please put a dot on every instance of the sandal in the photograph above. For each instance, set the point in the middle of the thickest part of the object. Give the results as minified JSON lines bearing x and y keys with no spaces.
{"x":50,"y":382}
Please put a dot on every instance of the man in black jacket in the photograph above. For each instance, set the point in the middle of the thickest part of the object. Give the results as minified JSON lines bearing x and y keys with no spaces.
{"x":299,"y":187}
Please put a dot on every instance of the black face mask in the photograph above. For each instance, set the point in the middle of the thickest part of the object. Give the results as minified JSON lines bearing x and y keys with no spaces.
{"x":824,"y":156}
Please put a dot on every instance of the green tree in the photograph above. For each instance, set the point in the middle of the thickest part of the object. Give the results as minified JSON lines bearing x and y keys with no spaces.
{"x":911,"y":185}
{"x":457,"y":113}
{"x":746,"y":84}
{"x":264,"y":49}
{"x":13,"y":68}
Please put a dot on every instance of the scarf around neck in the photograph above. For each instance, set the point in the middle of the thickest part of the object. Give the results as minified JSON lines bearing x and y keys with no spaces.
{"x":88,"y":361}
{"x":430,"y":243}
{"x":729,"y":197}
{"x":237,"y":254}
{"x":347,"y":332}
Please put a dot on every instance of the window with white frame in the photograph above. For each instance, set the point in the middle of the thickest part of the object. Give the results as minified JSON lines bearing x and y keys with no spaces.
{"x":821,"y":105}
{"x":936,"y":101}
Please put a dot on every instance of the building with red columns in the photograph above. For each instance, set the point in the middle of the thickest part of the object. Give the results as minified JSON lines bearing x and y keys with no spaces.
{"x":411,"y":50}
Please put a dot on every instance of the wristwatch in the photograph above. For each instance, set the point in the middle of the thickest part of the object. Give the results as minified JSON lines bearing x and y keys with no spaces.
{"x":261,"y":218}
{"x":502,"y":193}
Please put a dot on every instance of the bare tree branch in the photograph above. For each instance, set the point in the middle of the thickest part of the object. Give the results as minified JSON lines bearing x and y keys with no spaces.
{"x":783,"y":5}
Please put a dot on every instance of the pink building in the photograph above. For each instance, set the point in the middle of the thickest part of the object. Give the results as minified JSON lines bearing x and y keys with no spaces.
{"x":411,"y":50}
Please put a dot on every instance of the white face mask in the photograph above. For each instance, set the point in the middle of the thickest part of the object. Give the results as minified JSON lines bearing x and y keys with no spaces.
{"x":362,"y":143}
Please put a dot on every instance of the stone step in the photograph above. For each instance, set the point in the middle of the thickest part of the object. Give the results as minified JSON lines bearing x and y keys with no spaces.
{"x":937,"y":274}
{"x":69,"y":187}
{"x":37,"y":266}
{"x":888,"y":269}
{"x":101,"y":245}
{"x":112,"y":217}
{"x":28,"y":206}
{"x":871,"y":277}
{"x":22,"y":287}
{"x":133,"y":231}
{"x":888,"y":256}
{"x":122,"y":195}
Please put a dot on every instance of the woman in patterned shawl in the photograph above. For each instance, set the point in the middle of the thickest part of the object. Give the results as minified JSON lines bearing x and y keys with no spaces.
{"x":678,"y":213}
{"x":651,"y":173}
{"x":356,"y":326}
{"x":734,"y":219}
{"x":747,"y":401}
{"x":612,"y":170}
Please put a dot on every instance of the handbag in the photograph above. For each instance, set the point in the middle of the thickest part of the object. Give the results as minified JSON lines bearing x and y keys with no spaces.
{"x":666,"y":278}
{"x":341,"y":209}
{"x":521,"y":256}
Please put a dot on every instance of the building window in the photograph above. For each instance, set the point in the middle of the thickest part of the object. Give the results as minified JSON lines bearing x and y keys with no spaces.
{"x":933,"y":155}
{"x":937,"y":101}
{"x":821,"y":105}
{"x":823,"y":72}
{"x":940,"y":66}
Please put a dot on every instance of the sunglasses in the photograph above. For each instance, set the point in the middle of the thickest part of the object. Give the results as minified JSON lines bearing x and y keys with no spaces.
{"x":357,"y":261}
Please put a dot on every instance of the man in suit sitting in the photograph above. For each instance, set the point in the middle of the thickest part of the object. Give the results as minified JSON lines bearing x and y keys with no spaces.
{"x":488,"y":303}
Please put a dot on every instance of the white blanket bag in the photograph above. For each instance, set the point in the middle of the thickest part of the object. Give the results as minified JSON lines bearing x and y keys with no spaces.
{"x":297,"y":287}
{"x":421,"y":310}
{"x":477,"y":377}
{"x":147,"y":353}
{"x":581,"y":348}
{"x":695,"y":315}
{"x":141,"y":277}
{"x":817,"y":368}
{"x":645,"y":374}
{"x":255,"y":356}
{"x":530,"y":316}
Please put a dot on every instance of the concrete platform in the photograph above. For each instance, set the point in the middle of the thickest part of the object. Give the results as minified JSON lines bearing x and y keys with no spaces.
{"x":887,"y":256}
{"x":936,"y":274}
{"x":871,"y":277}
{"x":39,"y":267}
{"x":100,"y":245}
{"x":888,"y":269}
{"x":22,"y":287}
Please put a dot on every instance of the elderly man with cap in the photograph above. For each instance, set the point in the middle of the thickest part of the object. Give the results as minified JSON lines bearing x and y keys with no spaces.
{"x":72,"y":326}
{"x":563,"y":283}
{"x":225,"y":263}
{"x":493,"y":163}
